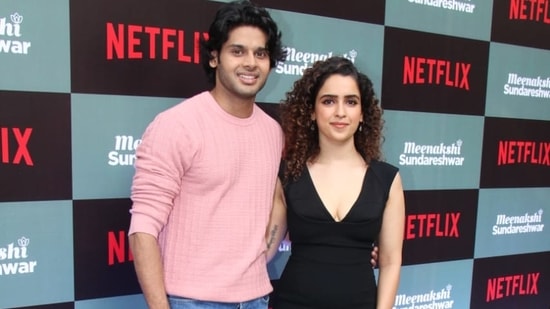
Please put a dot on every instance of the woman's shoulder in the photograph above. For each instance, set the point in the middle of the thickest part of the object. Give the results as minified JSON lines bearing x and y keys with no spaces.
{"x":383,"y":170}
{"x":383,"y":166}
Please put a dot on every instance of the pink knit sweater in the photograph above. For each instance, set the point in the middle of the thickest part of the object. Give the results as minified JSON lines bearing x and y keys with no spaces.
{"x":204,"y":186}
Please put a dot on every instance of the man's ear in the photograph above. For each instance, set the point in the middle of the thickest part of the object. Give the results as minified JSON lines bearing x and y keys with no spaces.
{"x":214,"y":60}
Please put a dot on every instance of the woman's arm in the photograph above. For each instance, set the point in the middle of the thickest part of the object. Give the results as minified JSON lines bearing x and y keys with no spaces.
{"x":391,"y":245}
{"x":276,"y":228}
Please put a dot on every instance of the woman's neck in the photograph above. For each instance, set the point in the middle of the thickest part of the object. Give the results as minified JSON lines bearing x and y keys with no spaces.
{"x":343,"y":154}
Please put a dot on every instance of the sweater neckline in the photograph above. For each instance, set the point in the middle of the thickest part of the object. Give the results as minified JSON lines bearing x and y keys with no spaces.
{"x":217,"y":109}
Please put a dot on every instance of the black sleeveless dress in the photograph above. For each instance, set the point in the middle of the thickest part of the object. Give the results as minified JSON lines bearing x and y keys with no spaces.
{"x":329,"y":266}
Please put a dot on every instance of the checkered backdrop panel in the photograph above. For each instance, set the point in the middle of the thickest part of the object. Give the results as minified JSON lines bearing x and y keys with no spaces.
{"x":465,"y":87}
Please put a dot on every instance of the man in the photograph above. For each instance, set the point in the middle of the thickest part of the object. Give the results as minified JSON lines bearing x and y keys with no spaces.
{"x":205,"y":175}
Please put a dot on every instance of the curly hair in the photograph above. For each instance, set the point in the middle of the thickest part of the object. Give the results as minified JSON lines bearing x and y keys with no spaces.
{"x":301,"y":142}
{"x":235,"y":14}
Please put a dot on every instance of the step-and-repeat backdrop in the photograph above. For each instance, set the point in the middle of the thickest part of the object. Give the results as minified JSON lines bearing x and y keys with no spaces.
{"x":465,"y":85}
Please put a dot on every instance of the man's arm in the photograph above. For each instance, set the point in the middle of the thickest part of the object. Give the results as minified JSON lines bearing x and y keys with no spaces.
{"x":149,"y":269}
{"x":276,"y":229}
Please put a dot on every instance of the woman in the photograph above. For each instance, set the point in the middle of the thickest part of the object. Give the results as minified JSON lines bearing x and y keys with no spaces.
{"x":336,"y":195}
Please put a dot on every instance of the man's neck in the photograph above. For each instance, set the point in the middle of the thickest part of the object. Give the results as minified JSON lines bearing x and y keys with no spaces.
{"x":235,"y":106}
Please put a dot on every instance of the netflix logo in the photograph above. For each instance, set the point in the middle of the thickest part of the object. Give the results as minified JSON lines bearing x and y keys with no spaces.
{"x":516,"y":153}
{"x":530,"y":10}
{"x":515,"y":281}
{"x":143,"y":42}
{"x":35,"y":147}
{"x":432,"y":225}
{"x":512,"y":285}
{"x":161,"y":50}
{"x":118,"y":248}
{"x":101,"y":250}
{"x":21,"y":153}
{"x":521,"y":22}
{"x":438,"y":225}
{"x":420,"y":71}
{"x":523,"y":152}
{"x":449,"y":75}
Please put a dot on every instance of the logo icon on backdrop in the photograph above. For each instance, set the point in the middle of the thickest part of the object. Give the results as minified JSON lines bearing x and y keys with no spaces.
{"x":527,"y":223}
{"x":428,"y":155}
{"x":118,"y":251}
{"x":453,"y":5}
{"x":143,"y":42}
{"x":431,"y":71}
{"x":19,"y":155}
{"x":432,"y":225}
{"x":14,"y":258}
{"x":535,"y":87}
{"x":297,"y":61}
{"x":124,"y":153}
{"x":523,"y":152}
{"x":432,"y":299}
{"x":10,"y":34}
{"x":512,"y":285}
{"x":537,"y":11}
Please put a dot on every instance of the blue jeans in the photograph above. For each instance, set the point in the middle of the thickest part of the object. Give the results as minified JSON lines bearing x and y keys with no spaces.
{"x":188,"y":303}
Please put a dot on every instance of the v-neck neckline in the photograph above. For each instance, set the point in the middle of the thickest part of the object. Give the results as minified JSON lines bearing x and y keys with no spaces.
{"x":322,"y":204}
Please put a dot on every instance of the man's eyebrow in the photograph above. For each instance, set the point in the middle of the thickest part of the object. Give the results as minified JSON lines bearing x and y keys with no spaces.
{"x":236,"y":45}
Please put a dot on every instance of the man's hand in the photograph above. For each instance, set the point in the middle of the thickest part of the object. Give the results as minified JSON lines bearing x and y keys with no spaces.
{"x":374,"y":255}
